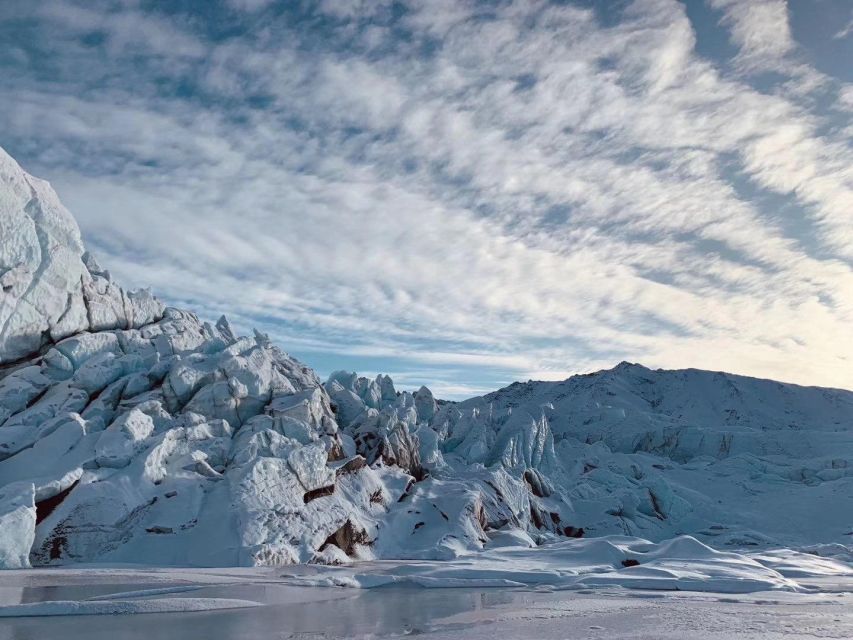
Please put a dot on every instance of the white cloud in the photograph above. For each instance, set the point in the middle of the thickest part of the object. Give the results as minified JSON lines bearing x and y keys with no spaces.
{"x":844,"y":31}
{"x":353,"y":9}
{"x":125,"y":30}
{"x":249,"y":5}
{"x":759,"y":28}
{"x":537,"y":195}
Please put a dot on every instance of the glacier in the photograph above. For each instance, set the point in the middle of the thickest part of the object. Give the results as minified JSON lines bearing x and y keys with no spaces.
{"x":133,"y":432}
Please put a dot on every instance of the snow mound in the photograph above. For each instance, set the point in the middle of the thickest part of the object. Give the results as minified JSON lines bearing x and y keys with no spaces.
{"x":680,"y":564}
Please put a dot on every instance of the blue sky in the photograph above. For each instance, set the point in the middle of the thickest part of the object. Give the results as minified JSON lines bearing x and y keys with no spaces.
{"x":462,"y":193}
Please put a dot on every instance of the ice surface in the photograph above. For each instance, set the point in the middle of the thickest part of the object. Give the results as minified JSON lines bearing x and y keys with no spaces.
{"x":396,"y":611}
{"x":120,"y":607}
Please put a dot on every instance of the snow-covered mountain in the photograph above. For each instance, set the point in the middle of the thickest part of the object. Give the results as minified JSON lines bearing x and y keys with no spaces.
{"x":130,"y":432}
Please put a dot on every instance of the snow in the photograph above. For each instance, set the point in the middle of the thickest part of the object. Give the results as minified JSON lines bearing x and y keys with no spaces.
{"x":147,"y":439}
{"x":680,"y":564}
{"x":149,"y":442}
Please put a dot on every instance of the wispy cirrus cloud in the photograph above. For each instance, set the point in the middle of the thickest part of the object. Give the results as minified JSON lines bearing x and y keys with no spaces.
{"x":493,"y":190}
{"x":845,"y":31}
{"x":759,"y":28}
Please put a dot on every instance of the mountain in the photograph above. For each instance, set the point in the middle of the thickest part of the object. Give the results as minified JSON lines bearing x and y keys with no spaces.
{"x":133,"y":432}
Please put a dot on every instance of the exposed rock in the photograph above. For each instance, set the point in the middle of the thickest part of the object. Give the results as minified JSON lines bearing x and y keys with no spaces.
{"x":348,"y":538}
{"x":47,"y":506}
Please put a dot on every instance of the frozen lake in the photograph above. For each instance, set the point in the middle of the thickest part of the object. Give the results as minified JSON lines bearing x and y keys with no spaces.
{"x":284,"y":610}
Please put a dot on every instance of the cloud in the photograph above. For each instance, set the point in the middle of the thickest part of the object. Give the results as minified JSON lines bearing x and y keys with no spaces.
{"x":844,"y":31}
{"x":122,"y":30}
{"x":759,"y":28}
{"x":249,"y":6}
{"x":491,"y":191}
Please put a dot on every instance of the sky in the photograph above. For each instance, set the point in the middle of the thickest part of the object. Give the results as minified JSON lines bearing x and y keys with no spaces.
{"x":461,"y":193}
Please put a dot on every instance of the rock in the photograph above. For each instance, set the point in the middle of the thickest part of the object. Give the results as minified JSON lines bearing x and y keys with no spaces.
{"x":348,"y":538}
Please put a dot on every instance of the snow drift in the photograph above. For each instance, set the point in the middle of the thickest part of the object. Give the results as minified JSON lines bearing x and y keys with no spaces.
{"x":679,"y":564}
{"x":131,"y":432}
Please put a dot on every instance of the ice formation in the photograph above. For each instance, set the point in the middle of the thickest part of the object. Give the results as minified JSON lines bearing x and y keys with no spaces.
{"x":53,"y":288}
{"x":130,"y":432}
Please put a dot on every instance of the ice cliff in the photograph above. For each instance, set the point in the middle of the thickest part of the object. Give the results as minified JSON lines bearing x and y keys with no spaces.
{"x":52,"y":288}
{"x":130,"y":432}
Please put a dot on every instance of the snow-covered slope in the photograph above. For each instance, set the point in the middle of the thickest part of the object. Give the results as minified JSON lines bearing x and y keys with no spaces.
{"x":130,"y":432}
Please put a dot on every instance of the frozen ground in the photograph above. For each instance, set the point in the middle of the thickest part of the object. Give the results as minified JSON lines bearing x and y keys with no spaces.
{"x":276,"y":608}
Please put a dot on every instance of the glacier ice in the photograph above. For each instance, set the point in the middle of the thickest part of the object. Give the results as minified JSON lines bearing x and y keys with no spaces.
{"x":51,"y":287}
{"x":130,"y":430}
{"x":17,"y":524}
